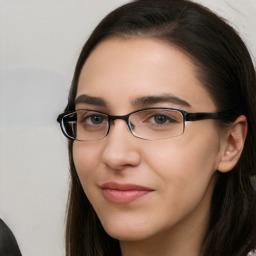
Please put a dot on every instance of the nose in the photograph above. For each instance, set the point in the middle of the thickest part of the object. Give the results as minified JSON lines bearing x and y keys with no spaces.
{"x":121,"y":148}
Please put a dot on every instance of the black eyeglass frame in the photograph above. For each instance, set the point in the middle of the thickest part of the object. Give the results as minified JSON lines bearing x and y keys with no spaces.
{"x":227,"y":115}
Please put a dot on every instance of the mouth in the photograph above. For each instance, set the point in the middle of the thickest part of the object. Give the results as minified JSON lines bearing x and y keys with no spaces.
{"x":123,"y":193}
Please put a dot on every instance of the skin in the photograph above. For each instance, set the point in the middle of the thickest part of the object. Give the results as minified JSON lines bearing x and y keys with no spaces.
{"x":181,"y":171}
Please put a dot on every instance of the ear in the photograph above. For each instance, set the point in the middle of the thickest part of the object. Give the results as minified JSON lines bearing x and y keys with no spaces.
{"x":233,"y":144}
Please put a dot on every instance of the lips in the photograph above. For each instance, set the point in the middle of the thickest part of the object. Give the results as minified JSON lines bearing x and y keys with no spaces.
{"x":123,"y":193}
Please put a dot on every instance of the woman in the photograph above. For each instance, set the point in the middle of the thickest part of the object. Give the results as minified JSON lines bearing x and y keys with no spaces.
{"x":161,"y":121}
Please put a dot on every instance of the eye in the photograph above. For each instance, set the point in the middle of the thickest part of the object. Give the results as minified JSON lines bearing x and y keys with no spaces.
{"x":157,"y":117}
{"x":161,"y":119}
{"x":91,"y":118}
{"x":95,"y":119}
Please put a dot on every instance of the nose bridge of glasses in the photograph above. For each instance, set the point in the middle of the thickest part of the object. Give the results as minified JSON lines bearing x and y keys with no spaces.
{"x":122,"y":117}
{"x":125,"y":118}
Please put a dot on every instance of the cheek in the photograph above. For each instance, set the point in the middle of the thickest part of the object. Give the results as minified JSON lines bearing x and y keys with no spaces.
{"x":185,"y":171}
{"x":186,"y":161}
{"x":86,"y":159}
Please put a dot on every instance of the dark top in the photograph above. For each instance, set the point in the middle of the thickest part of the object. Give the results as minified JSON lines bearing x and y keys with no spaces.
{"x":8,"y":243}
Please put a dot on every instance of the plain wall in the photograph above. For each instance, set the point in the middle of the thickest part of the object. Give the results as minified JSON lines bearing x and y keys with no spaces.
{"x":39,"y":45}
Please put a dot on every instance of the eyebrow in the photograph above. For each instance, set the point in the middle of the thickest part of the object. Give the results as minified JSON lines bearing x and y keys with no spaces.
{"x":147,"y":100}
{"x":86,"y":99}
{"x":138,"y":102}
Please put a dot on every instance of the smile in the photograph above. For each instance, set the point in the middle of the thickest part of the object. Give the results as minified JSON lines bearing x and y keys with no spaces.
{"x":123,"y":193}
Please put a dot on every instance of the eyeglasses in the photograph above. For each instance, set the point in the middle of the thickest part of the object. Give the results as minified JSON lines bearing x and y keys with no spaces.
{"x":148,"y":124}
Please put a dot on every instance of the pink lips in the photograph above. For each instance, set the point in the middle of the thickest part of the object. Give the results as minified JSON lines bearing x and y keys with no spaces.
{"x":123,"y":193}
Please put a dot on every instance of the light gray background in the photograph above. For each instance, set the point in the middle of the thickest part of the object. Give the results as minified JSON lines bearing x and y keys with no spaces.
{"x":39,"y":44}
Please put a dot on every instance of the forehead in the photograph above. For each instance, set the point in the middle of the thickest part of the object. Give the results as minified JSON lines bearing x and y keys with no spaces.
{"x":126,"y":68}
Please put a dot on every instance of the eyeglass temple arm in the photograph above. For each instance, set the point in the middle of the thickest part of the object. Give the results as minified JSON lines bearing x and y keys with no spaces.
{"x":228,"y":115}
{"x":59,"y":118}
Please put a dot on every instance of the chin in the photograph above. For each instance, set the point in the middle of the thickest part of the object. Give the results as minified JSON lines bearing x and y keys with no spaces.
{"x":125,"y":235}
{"x":125,"y":231}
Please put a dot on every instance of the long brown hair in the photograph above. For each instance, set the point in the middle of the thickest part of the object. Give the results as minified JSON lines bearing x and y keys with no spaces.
{"x":225,"y":68}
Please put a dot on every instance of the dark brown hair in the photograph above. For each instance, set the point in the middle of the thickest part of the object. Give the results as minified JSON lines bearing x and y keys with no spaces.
{"x":225,"y":68}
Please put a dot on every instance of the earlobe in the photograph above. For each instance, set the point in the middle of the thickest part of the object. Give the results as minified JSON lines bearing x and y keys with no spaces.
{"x":233,"y":144}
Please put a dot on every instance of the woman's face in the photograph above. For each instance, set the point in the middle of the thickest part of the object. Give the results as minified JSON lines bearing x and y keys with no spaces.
{"x":140,"y":188}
